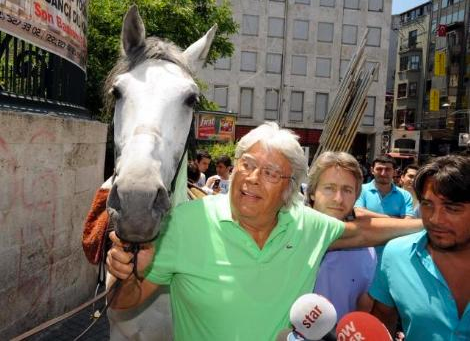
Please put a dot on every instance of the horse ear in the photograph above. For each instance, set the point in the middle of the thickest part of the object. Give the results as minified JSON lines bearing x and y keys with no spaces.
{"x":133,"y":31}
{"x":196,"y":54}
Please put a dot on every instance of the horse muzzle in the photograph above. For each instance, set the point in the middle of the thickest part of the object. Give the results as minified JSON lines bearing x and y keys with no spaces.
{"x":136,"y":213}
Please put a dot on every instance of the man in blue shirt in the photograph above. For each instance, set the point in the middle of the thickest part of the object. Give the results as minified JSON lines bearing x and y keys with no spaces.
{"x":423,"y":278}
{"x":381,"y":195}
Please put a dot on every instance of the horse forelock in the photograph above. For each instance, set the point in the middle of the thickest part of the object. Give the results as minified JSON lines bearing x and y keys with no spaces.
{"x":154,"y":48}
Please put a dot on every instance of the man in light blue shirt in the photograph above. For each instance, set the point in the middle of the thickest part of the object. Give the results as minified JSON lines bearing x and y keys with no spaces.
{"x":423,"y":278}
{"x":381,"y":195}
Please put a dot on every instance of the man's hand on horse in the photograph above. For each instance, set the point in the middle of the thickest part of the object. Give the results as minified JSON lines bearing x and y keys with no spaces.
{"x":120,"y":262}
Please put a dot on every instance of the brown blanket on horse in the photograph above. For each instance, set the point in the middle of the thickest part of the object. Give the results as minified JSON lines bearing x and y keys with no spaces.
{"x":93,"y":238}
{"x":96,"y":223}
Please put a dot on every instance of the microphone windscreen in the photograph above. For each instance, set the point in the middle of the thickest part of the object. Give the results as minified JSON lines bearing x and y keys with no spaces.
{"x":359,"y":325}
{"x":312,"y":316}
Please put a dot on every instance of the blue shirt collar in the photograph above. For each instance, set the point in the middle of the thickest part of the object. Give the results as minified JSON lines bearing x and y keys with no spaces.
{"x":374,"y":188}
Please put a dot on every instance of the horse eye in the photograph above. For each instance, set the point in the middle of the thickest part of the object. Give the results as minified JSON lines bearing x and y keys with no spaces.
{"x":116,"y":92}
{"x":192,"y":100}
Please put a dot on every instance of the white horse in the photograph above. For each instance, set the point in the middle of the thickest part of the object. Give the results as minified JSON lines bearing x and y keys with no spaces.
{"x":154,"y":95}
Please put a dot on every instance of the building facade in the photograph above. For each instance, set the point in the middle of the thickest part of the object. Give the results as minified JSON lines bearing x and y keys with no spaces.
{"x":288,"y":62}
{"x":446,"y":114}
{"x":410,"y":85}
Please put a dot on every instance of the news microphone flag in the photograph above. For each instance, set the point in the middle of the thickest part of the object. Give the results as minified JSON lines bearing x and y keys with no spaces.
{"x":359,"y":325}
{"x":312,"y":316}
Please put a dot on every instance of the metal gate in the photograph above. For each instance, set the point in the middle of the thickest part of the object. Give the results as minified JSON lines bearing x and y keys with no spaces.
{"x":37,"y":79}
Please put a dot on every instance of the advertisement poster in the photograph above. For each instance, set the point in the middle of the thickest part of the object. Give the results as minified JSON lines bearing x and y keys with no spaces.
{"x":440,"y":63}
{"x":215,"y":127}
{"x":434,"y":100}
{"x":57,"y":26}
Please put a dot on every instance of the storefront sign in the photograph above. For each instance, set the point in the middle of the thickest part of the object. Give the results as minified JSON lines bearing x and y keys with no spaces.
{"x":215,"y":127}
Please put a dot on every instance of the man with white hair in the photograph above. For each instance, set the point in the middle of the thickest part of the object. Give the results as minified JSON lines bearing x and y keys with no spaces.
{"x":235,"y":263}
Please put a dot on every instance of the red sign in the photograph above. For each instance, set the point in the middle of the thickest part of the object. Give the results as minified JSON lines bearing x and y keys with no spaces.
{"x":206,"y":127}
{"x":217,"y":127}
{"x":441,"y":30}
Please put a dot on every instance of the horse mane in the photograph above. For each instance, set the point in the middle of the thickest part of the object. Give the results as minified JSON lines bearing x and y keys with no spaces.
{"x":154,"y":48}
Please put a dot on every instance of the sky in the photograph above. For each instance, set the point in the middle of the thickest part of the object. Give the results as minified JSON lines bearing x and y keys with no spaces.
{"x":400,"y":6}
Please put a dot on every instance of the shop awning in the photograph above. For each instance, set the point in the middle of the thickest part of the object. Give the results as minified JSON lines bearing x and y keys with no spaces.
{"x":401,"y":156}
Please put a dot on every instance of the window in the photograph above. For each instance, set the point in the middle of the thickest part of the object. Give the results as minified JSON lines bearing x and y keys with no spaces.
{"x":369,"y":115}
{"x":321,"y":107}
{"x":401,"y":90}
{"x":369,"y":65}
{"x":250,"y":25}
{"x":301,"y":29}
{"x":405,"y":144}
{"x":405,"y":118}
{"x":376,"y":5}
{"x":296,"y":106}
{"x":299,"y":65}
{"x":404,"y":63}
{"x":343,"y":66}
{"x":351,"y":4}
{"x":271,"y":104}
{"x":276,"y":27}
{"x":248,"y":61}
{"x":349,"y":34}
{"x":222,"y":63}
{"x":325,"y":32}
{"x":412,"y":89}
{"x":273,"y":62}
{"x":414,"y":62}
{"x":412,"y":38}
{"x":305,"y":2}
{"x":327,"y":3}
{"x":246,"y":102}
{"x":221,"y":96}
{"x":373,"y":37}
{"x":323,"y":67}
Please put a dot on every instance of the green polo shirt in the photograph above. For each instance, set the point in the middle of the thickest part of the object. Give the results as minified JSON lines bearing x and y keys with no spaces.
{"x":223,"y":287}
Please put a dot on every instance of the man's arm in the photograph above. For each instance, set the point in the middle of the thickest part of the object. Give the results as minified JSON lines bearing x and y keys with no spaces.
{"x":388,"y":315}
{"x":362,"y":212}
{"x":132,"y":292}
{"x":366,"y":231}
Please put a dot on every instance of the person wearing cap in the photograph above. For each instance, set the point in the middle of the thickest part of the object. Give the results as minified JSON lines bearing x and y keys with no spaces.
{"x":235,"y":263}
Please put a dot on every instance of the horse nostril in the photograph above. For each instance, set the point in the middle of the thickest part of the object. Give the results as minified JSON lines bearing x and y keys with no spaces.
{"x":113,"y":199}
{"x":161,"y":202}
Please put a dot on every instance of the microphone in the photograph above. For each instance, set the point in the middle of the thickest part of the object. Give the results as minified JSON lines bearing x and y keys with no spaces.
{"x":359,"y":325}
{"x":313,"y":317}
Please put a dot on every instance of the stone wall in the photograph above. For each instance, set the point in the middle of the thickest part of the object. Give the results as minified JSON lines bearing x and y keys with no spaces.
{"x":50,"y":167}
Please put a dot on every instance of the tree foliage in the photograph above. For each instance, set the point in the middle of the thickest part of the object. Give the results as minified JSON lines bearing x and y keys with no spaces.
{"x":181,"y":21}
{"x":218,"y":149}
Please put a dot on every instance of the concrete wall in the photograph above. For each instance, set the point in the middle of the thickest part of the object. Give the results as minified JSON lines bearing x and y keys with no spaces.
{"x":49,"y":169}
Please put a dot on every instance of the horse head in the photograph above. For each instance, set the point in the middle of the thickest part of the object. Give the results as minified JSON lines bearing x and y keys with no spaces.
{"x":153,"y":94}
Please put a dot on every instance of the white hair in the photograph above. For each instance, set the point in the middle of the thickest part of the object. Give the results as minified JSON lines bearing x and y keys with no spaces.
{"x":284,"y":141}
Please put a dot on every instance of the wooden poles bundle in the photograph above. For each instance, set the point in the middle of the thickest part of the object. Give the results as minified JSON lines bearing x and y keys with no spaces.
{"x":349,"y":105}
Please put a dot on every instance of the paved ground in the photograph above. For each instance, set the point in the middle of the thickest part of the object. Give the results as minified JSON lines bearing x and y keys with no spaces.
{"x":72,"y":327}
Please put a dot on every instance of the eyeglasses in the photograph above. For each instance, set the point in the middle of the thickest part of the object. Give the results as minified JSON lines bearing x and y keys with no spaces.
{"x":247,"y":165}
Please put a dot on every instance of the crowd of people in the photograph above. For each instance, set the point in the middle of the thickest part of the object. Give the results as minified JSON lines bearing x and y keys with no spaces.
{"x":235,"y":263}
